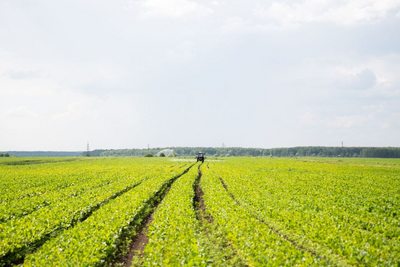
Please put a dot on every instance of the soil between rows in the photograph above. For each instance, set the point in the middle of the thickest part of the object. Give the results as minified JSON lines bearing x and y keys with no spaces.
{"x":222,"y":252}
{"x":17,"y":256}
{"x":294,"y":243}
{"x":139,"y":241}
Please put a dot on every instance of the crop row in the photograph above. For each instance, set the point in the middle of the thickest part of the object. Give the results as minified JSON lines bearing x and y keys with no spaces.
{"x":173,"y":234}
{"x":255,"y":242}
{"x":75,"y":181}
{"x":322,"y":208}
{"x":98,"y":239}
{"x":18,"y":208}
{"x":25,"y":181}
{"x":22,"y":235}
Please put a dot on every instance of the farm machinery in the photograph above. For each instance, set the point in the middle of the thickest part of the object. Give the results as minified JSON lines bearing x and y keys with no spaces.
{"x":200,"y":157}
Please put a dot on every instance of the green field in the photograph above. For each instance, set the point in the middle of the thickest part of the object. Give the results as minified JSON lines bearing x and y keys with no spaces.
{"x":225,"y":212}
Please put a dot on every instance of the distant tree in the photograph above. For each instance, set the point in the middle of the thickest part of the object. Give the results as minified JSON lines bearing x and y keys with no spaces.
{"x":148,"y":155}
{"x":6,"y":154}
{"x":162,"y":155}
{"x":1,"y":155}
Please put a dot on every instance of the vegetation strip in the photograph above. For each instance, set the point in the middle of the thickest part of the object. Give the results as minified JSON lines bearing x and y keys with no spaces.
{"x":139,"y":241}
{"x":213,"y":241}
{"x":336,"y":261}
{"x":236,"y":212}
{"x":25,"y":235}
{"x":174,"y":232}
{"x":271,"y":227}
{"x":254,"y":242}
{"x":36,"y":161}
{"x":345,"y":213}
{"x":18,"y":209}
{"x":17,"y":254}
{"x":109,"y":229}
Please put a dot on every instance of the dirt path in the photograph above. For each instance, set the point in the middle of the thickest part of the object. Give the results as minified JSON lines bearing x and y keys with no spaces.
{"x":139,"y":241}
{"x":221,"y":252}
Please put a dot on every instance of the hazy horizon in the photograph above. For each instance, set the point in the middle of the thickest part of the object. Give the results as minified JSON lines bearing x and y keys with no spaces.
{"x":172,"y":147}
{"x":262,"y":74}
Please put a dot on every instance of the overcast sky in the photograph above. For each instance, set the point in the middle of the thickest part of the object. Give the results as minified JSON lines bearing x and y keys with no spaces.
{"x":247,"y":73}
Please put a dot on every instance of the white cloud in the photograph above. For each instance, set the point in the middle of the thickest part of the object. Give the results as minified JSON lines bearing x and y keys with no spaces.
{"x":218,"y":3}
{"x":19,"y":112}
{"x":26,"y":87}
{"x":183,"y":52}
{"x":241,"y":25}
{"x":308,"y":117}
{"x":118,"y":72}
{"x":22,"y":74}
{"x":355,"y":80}
{"x":78,"y":110}
{"x":346,"y":121}
{"x":173,"y":8}
{"x":378,"y":76}
{"x":347,"y":13}
{"x":363,"y":80}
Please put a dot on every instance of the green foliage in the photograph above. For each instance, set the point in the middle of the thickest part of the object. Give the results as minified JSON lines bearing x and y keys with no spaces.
{"x":46,"y":153}
{"x":253,"y":240}
{"x":162,"y":155}
{"x":371,"y":152}
{"x":108,"y":228}
{"x":173,"y":235}
{"x":344,"y":211}
{"x":39,"y":201}
{"x":148,"y":155}
{"x":258,"y":211}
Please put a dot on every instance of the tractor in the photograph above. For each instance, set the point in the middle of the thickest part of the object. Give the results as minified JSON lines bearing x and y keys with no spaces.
{"x":200,"y":157}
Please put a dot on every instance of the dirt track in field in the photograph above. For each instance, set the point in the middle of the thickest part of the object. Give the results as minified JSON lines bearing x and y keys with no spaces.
{"x":294,"y":243}
{"x":139,"y":242}
{"x":199,"y":201}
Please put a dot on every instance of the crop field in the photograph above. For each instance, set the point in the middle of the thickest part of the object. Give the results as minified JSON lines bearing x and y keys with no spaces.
{"x":224,"y":212}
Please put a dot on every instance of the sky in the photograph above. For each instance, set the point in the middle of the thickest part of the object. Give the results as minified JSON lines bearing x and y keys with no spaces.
{"x":246,"y":73}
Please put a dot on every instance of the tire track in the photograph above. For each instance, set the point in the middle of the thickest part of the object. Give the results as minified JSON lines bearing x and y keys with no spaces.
{"x":277,"y":232}
{"x":220,"y":245}
{"x":139,"y":241}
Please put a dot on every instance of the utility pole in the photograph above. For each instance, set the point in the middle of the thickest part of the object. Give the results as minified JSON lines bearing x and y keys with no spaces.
{"x":87,"y":150}
{"x":342,"y":150}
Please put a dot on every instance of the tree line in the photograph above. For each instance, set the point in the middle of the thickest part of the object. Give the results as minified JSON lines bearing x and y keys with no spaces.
{"x":44,"y":153}
{"x":312,"y":151}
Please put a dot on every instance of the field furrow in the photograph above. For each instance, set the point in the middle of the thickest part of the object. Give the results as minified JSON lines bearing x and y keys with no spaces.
{"x":175,"y":212}
{"x":109,"y":228}
{"x":173,"y":234}
{"x":309,"y":216}
{"x":256,"y":242}
{"x":23,"y":235}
